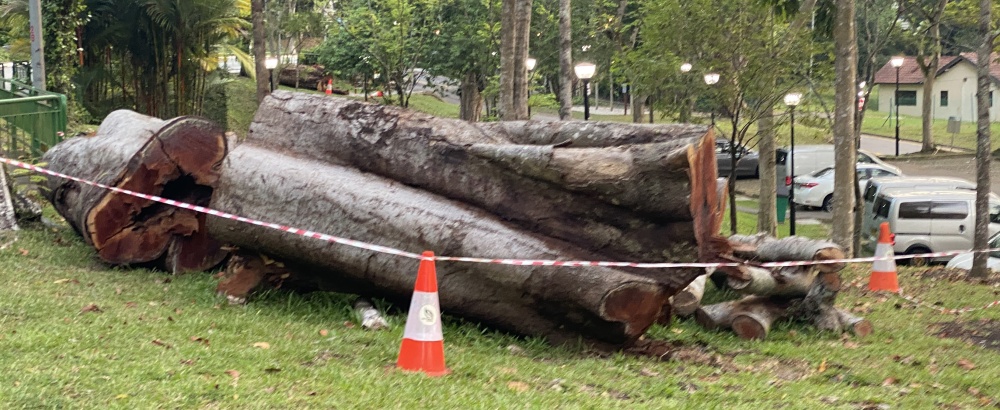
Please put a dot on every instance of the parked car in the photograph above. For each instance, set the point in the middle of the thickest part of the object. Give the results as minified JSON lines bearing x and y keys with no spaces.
{"x":747,"y":160}
{"x":816,"y":189}
{"x":964,"y":260}
{"x":879,"y":185}
{"x":811,"y":158}
{"x":930,"y":221}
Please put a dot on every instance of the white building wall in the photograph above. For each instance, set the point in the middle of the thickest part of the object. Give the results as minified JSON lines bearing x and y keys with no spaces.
{"x":959,"y":81}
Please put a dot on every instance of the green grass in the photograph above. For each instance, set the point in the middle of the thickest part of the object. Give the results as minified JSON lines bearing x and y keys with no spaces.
{"x":910,"y":128}
{"x":163,"y":341}
{"x":746,"y":224}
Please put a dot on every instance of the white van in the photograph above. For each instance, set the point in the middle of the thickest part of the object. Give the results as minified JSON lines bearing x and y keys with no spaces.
{"x":811,"y":158}
{"x":930,"y":221}
{"x":876,"y":186}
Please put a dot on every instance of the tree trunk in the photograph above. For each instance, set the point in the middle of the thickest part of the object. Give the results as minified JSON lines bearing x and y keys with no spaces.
{"x":259,"y":50}
{"x":927,"y":114}
{"x":515,"y":30}
{"x":983,"y":148}
{"x":176,"y":159}
{"x":767,"y":217}
{"x":565,"y":61}
{"x":567,"y":180}
{"x":531,"y":190}
{"x":636,"y":101}
{"x":846,"y":50}
{"x":522,"y":41}
{"x":471,"y":107}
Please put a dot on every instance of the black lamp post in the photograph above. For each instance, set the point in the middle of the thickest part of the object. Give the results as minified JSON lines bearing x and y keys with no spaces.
{"x":791,"y":100}
{"x":712,"y":79}
{"x":584,"y":71}
{"x":897,"y":62}
{"x":685,"y":114}
{"x":271,"y":63}
{"x":530,"y":65}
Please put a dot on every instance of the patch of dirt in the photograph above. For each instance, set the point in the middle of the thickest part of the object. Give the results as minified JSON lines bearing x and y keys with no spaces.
{"x":697,"y":355}
{"x":958,"y":275}
{"x":983,"y":332}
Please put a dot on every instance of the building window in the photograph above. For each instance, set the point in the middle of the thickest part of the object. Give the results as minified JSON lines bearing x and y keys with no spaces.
{"x":907,"y":98}
{"x":944,"y":98}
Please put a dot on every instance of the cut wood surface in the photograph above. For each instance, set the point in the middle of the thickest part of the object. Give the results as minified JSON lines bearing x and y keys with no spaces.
{"x":176,"y":159}
{"x":687,"y":301}
{"x":524,"y":190}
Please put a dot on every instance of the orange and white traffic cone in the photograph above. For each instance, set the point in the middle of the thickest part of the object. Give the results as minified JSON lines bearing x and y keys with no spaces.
{"x":423,"y":342}
{"x":884,"y":270}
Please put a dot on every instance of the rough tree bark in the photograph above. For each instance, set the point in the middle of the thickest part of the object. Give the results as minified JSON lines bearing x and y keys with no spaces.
{"x":566,"y":60}
{"x":532,"y":190}
{"x":845,"y":153}
{"x":259,"y":51}
{"x":471,"y":104}
{"x":983,"y":148}
{"x":176,"y":159}
{"x":515,"y":30}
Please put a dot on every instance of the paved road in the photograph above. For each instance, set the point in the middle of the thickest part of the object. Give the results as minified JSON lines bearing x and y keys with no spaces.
{"x":884,"y":147}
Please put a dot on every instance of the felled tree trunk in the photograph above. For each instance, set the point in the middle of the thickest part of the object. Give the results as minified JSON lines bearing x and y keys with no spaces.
{"x":176,"y":159}
{"x":525,"y":190}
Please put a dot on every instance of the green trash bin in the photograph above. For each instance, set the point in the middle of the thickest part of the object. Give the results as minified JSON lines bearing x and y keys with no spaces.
{"x":781,"y":206}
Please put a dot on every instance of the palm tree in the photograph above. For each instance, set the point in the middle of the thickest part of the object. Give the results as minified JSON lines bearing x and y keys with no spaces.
{"x":157,"y":54}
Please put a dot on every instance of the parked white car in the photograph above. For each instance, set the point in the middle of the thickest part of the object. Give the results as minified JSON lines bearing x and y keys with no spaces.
{"x":816,"y":189}
{"x":964,"y":260}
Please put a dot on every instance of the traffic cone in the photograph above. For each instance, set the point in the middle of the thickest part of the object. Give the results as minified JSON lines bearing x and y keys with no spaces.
{"x":423,"y":343}
{"x":884,"y":270}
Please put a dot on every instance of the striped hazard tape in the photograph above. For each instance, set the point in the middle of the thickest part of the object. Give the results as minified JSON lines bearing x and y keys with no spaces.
{"x":412,"y":255}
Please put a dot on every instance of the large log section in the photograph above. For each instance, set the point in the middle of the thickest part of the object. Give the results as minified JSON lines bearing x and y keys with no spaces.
{"x":528,"y":190}
{"x":176,"y":159}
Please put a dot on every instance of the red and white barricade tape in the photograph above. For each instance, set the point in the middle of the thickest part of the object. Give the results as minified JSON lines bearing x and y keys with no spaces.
{"x":412,"y":255}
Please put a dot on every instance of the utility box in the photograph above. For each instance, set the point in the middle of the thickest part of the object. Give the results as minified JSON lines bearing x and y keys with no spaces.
{"x":954,"y":125}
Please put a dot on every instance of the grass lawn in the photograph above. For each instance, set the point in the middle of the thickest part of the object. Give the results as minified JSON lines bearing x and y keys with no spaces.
{"x":910,"y":128}
{"x":78,"y":334}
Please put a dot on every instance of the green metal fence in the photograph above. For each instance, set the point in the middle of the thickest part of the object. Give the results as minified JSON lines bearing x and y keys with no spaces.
{"x":31,"y":120}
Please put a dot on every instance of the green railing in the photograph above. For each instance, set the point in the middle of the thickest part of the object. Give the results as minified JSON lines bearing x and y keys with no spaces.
{"x":31,"y":120}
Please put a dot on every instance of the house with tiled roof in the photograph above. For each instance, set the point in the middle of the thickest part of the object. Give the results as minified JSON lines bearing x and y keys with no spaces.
{"x":954,"y":92}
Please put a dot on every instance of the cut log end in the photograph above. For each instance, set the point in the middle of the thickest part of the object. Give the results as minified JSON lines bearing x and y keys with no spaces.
{"x":180,"y":161}
{"x":636,"y":305}
{"x":751,"y":326}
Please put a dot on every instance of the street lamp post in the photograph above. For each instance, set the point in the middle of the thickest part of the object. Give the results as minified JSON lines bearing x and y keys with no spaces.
{"x":791,"y":100}
{"x":897,"y":62}
{"x":685,"y":114}
{"x":530,"y":65}
{"x":584,"y":71}
{"x":271,"y":63}
{"x":712,"y":79}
